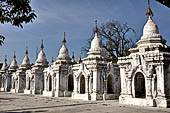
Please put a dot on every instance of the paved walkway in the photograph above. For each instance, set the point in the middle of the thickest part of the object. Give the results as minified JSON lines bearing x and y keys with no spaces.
{"x":22,"y":103}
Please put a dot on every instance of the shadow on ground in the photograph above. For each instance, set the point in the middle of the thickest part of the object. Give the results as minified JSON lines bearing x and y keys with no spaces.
{"x":28,"y":111}
{"x":7,"y":99}
{"x":45,"y":107}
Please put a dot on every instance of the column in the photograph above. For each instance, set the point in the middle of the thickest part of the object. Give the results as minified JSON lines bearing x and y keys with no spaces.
{"x":95,"y":81}
{"x":57,"y":81}
{"x":66,"y":83}
{"x":90,"y":84}
{"x":122,"y":79}
{"x":149,"y":88}
{"x":75,"y":85}
{"x":87,"y":85}
{"x":129,"y":86}
{"x":105,"y":86}
{"x":160,"y":81}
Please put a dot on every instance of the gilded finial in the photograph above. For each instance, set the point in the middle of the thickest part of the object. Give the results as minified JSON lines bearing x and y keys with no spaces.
{"x":79,"y":59}
{"x":95,"y":29}
{"x":42,"y":46}
{"x":26,"y":52}
{"x":64,"y":40}
{"x":149,"y":12}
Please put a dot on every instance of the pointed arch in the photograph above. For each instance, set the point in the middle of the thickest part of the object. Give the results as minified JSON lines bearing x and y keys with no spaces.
{"x":139,"y":83}
{"x":50,"y":83}
{"x":70,"y":83}
{"x":13,"y":80}
{"x":28,"y":83}
{"x":82,"y":84}
{"x":110,"y":84}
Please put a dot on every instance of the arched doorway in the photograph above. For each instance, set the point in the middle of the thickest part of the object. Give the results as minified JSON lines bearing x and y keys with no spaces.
{"x":101,"y":85}
{"x":13,"y":83}
{"x":139,"y":83}
{"x":70,"y":83}
{"x":82,"y":85}
{"x":109,"y":85}
{"x":28,"y":83}
{"x":50,"y":83}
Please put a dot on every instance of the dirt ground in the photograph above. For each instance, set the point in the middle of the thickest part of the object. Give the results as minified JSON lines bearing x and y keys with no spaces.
{"x":22,"y":103}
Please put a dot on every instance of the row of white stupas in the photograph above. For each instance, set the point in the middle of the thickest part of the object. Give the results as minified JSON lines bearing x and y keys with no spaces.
{"x":92,"y":78}
{"x":41,"y":59}
{"x":142,"y":78}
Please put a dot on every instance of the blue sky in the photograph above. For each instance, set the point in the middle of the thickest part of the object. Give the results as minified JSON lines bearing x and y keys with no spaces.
{"x":76,"y":18}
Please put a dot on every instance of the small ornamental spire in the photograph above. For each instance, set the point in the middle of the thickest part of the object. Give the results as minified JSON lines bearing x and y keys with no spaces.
{"x":95,"y":29}
{"x":149,"y":12}
{"x":42,"y":46}
{"x":79,"y":60}
{"x":14,"y":55}
{"x":5,"y":59}
{"x":73,"y":56}
{"x":64,"y":40}
{"x":26,"y":52}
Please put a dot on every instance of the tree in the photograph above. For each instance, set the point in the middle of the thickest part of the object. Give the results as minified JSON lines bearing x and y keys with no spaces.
{"x":15,"y":12}
{"x":164,"y":2}
{"x":115,"y":38}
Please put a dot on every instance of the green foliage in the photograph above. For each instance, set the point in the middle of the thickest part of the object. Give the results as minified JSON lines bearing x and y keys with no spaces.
{"x":2,"y":38}
{"x":16,"y":12}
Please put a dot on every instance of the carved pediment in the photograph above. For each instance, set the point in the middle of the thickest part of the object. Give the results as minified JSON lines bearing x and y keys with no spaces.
{"x":82,"y":71}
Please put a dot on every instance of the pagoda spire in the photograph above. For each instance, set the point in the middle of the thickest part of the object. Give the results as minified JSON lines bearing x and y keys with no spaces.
{"x":42,"y":45}
{"x":73,"y":57}
{"x":149,"y":12}
{"x":96,"y":28}
{"x":14,"y":55}
{"x":64,"y":40}
{"x":26,"y":52}
{"x":5,"y":59}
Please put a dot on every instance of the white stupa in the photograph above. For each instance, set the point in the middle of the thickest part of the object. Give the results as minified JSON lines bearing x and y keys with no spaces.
{"x":41,"y":60}
{"x":13,"y":65}
{"x":26,"y":61}
{"x":63,"y":53}
{"x":5,"y":65}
